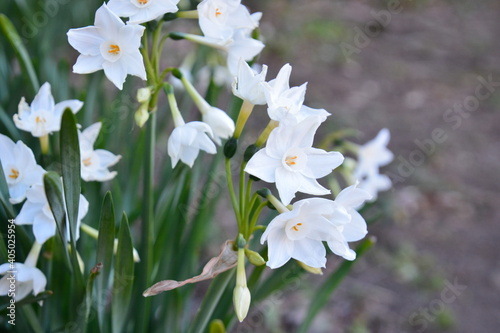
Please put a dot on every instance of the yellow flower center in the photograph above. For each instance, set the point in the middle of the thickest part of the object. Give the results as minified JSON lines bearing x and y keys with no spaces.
{"x":40,"y":120}
{"x":115,"y":49}
{"x":14,"y":174}
{"x":290,"y":160}
{"x":87,"y":161}
{"x":295,"y":227}
{"x":217,"y":12}
{"x":142,"y":2}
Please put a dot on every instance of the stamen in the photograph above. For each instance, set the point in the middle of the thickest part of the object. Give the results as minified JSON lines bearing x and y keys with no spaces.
{"x":114,"y":49}
{"x":295,"y":226}
{"x":142,"y":2}
{"x":217,"y":12}
{"x":289,"y":160}
{"x":40,"y":120}
{"x":87,"y":162}
{"x":14,"y":174}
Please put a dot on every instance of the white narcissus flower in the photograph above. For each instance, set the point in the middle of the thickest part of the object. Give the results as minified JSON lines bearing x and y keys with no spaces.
{"x":95,"y":163}
{"x":285,"y":103}
{"x":36,"y":211}
{"x":374,"y":154}
{"x":109,"y":45}
{"x":19,"y":167}
{"x":219,"y":18}
{"x":43,"y":116}
{"x":374,"y":182}
{"x":247,"y":84}
{"x":290,"y":161}
{"x":298,"y":234}
{"x":221,"y":124}
{"x":187,"y":140}
{"x":141,"y":11}
{"x":26,"y":278}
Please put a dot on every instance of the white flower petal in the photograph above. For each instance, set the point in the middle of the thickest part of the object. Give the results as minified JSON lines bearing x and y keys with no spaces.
{"x":310,"y":252}
{"x":86,"y":40}
{"x":356,"y":229}
{"x":86,"y":64}
{"x":288,"y":183}
{"x":263,"y":166}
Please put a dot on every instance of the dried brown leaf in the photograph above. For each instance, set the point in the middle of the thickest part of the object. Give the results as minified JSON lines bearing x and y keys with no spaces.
{"x":226,"y":260}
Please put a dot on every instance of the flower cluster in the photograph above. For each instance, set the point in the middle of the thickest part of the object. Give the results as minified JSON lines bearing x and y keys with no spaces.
{"x":25,"y":177}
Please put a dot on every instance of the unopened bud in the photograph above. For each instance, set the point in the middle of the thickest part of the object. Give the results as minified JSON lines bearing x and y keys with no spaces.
{"x":254,"y":257}
{"x":143,"y":95}
{"x":141,"y":115}
{"x":217,"y":326}
{"x":313,"y":270}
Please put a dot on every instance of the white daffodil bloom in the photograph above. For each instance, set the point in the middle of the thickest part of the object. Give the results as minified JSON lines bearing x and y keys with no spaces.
{"x":220,"y":18}
{"x":95,"y":163}
{"x":26,"y":279}
{"x":221,"y":124}
{"x":290,"y":161}
{"x":187,"y":140}
{"x":374,"y":182}
{"x":36,"y":211}
{"x":43,"y":116}
{"x":19,"y":167}
{"x":298,"y":234}
{"x":109,"y":45}
{"x":285,"y":103}
{"x":20,"y":279}
{"x":350,"y":225}
{"x":247,"y":84}
{"x":373,"y":155}
{"x":141,"y":11}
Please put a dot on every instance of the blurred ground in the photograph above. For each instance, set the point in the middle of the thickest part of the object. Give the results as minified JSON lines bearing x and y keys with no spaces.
{"x":419,"y":71}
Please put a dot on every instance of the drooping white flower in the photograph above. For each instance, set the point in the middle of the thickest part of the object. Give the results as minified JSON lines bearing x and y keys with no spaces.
{"x":285,"y":103}
{"x":36,"y":211}
{"x":141,"y":11}
{"x":187,"y":140}
{"x":247,"y":84}
{"x":298,"y":234}
{"x":373,"y":155}
{"x":220,"y":18}
{"x":374,"y":182}
{"x":290,"y":161}
{"x":95,"y":163}
{"x":26,"y":279}
{"x":221,"y":124}
{"x":109,"y":45}
{"x":19,"y":167}
{"x":43,"y":116}
{"x":351,"y":226}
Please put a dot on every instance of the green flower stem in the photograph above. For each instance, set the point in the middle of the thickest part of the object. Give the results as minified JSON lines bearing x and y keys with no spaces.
{"x":89,"y":230}
{"x":33,"y":255}
{"x":44,"y":144}
{"x":255,"y":217}
{"x":277,"y":204}
{"x":245,"y":112}
{"x":232,"y":194}
{"x":200,"y":102}
{"x":265,"y":133}
{"x":174,"y":109}
{"x":189,"y":14}
{"x":243,"y":203}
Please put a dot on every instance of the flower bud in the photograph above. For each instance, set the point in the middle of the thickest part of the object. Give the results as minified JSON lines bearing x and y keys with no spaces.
{"x":241,"y":301}
{"x":313,"y":270}
{"x":141,"y":115}
{"x":143,"y":95}
{"x":254,"y":258}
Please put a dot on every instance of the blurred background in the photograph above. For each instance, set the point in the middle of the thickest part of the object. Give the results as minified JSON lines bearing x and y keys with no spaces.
{"x":429,"y":71}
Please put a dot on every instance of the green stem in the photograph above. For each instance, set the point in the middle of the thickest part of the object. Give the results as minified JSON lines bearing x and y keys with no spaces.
{"x":255,"y":217}
{"x":232,"y":194}
{"x":265,"y":133}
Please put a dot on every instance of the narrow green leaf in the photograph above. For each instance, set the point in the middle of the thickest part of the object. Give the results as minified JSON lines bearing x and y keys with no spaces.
{"x":323,"y":293}
{"x":123,"y":277}
{"x":84,"y":315}
{"x":12,"y":36}
{"x":29,"y":299}
{"x":70,"y":167}
{"x":210,"y":301}
{"x":53,"y":192}
{"x":6,"y":120}
{"x":105,"y":243}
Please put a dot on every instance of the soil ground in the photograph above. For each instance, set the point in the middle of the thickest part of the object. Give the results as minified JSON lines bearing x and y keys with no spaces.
{"x":417,"y":71}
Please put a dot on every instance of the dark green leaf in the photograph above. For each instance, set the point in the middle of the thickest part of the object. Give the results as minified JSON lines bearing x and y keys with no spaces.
{"x":10,"y":33}
{"x":123,"y":277}
{"x":105,"y":244}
